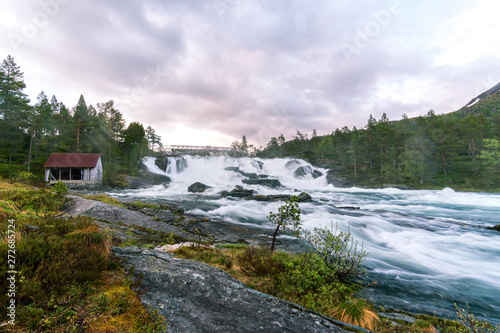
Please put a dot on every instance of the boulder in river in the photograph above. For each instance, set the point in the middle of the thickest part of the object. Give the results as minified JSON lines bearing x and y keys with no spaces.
{"x":162,"y":163}
{"x":240,"y":192}
{"x":197,"y":187}
{"x":302,"y":171}
{"x":317,"y":174}
{"x":292,"y":164}
{"x":273,"y":183}
{"x":497,"y":227}
{"x":304,"y":197}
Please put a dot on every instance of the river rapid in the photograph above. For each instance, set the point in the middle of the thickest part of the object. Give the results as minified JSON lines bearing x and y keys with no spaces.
{"x":427,"y":249}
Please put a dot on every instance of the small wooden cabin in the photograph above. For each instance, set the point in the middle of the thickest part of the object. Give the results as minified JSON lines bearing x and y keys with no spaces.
{"x":73,"y":167}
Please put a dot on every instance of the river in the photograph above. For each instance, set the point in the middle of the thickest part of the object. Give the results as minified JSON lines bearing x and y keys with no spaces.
{"x":427,"y":249}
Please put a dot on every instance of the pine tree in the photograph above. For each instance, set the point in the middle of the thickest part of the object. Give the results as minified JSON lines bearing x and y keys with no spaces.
{"x":81,"y":118}
{"x":14,"y":108}
{"x":244,"y":143}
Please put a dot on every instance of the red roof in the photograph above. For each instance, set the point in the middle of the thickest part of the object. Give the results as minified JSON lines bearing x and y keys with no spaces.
{"x":74,"y":160}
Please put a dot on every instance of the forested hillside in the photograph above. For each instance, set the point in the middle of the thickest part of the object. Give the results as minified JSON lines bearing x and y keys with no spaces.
{"x":459,"y":149}
{"x":29,"y":133}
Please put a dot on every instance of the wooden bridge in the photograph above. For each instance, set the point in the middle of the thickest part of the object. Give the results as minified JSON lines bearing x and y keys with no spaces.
{"x":202,"y":150}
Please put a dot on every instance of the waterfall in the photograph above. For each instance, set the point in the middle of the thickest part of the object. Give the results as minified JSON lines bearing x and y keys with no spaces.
{"x":222,"y":172}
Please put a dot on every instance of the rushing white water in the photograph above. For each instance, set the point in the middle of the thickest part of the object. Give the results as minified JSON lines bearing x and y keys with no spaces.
{"x":427,"y":249}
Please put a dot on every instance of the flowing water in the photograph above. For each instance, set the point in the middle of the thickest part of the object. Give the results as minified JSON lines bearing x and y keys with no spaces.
{"x":427,"y":249}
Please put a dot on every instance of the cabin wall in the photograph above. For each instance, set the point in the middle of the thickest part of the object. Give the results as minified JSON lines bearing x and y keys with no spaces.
{"x":87,"y":174}
{"x":97,"y":172}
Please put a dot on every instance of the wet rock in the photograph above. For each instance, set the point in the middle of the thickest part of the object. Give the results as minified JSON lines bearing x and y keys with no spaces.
{"x":252,"y":175}
{"x":302,"y":171}
{"x":87,"y":186}
{"x":272,"y":197}
{"x":181,"y":164}
{"x":497,"y":227}
{"x":197,"y":187}
{"x":292,"y":164}
{"x":333,"y":177}
{"x":195,"y":297}
{"x":164,"y":215}
{"x":162,"y":163}
{"x":119,"y":221}
{"x":240,"y":192}
{"x":137,"y":182}
{"x":273,"y":183}
{"x":398,"y":316}
{"x":304,"y":197}
{"x":317,"y":174}
{"x":146,"y":179}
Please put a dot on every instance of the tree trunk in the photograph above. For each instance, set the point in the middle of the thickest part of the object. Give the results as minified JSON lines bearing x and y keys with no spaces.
{"x":274,"y":237}
{"x":29,"y":154}
{"x":473,"y":150}
{"x":381,"y":156}
{"x":77,"y":137}
{"x":442,"y":155}
{"x":355,"y":173}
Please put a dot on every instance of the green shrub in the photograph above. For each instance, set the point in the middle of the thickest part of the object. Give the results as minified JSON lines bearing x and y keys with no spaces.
{"x":339,"y":251}
{"x":9,"y":171}
{"x":25,"y":177}
{"x":256,"y":261}
{"x":356,"y":311}
{"x":37,"y":200}
{"x":53,"y":257}
{"x":466,"y":318}
{"x":60,"y":188}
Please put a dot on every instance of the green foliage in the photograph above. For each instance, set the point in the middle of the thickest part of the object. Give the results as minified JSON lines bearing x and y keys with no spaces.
{"x":10,"y":171}
{"x":287,"y":218}
{"x":491,"y":152}
{"x":105,"y":198}
{"x":231,"y":246}
{"x":37,"y":200}
{"x":24,"y":177}
{"x":356,"y":311}
{"x":339,"y":251}
{"x":60,"y":188}
{"x":466,"y":318}
{"x":297,"y":276}
{"x":52,"y":255}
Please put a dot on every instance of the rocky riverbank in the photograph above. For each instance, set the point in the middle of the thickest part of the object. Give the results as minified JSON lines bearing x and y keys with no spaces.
{"x":193,"y":296}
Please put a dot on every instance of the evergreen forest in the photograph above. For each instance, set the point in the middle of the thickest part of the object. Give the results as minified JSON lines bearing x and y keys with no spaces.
{"x":460,"y":150}
{"x":30,"y":132}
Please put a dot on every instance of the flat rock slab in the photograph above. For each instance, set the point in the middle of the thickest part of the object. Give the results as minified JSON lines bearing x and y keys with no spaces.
{"x":195,"y":297}
{"x":118,"y":215}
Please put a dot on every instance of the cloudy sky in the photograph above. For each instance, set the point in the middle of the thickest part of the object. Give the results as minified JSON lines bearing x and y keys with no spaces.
{"x":206,"y":72}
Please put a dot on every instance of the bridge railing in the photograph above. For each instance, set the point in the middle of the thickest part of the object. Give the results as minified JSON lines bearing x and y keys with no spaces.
{"x":186,"y":149}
